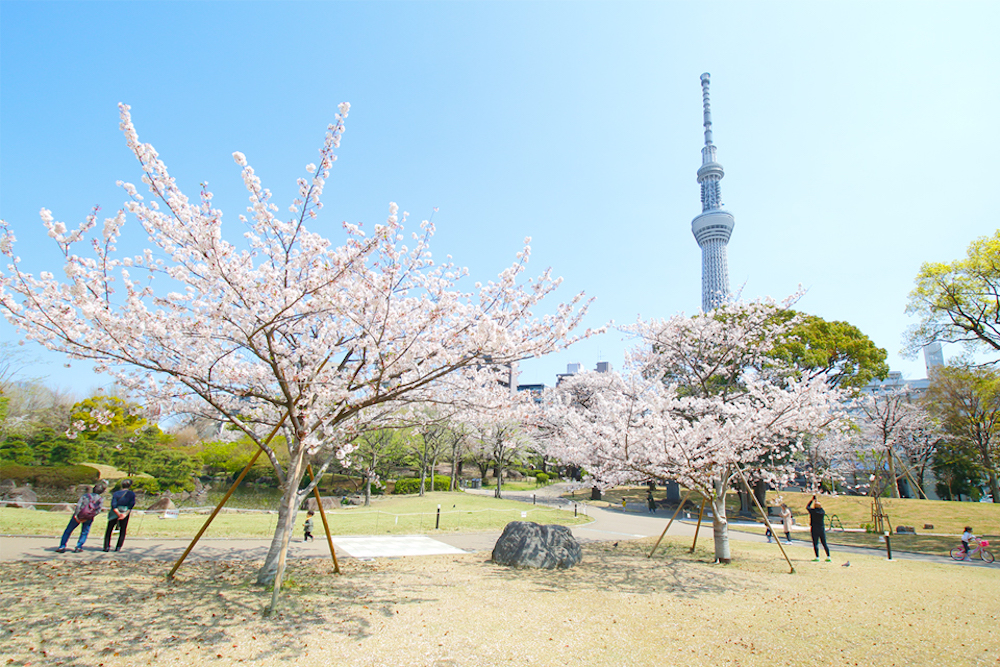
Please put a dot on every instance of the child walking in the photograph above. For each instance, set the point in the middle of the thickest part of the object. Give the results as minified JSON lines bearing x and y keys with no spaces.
{"x":308,"y":527}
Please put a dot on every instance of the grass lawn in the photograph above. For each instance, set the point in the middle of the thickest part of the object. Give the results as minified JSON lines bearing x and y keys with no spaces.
{"x":616,"y":608}
{"x":949,"y":518}
{"x":400,"y":515}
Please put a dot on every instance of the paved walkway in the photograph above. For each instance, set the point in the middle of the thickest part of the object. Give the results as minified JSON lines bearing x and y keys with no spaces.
{"x":607,"y":525}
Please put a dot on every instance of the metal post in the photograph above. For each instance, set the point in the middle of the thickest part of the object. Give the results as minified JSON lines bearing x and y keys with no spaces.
{"x":676,"y":512}
{"x":322,"y":515}
{"x":574,"y":509}
{"x":218,"y":508}
{"x":888,"y":546}
{"x":437,"y":521}
{"x":532,"y":499}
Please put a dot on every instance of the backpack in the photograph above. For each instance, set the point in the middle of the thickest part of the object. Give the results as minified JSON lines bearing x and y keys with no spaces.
{"x":91,"y":508}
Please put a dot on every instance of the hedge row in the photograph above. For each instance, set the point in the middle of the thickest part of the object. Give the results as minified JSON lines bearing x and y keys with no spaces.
{"x":56,"y":477}
{"x":412,"y":484}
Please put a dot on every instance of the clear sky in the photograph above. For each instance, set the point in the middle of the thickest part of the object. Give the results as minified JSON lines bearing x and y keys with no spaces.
{"x":859,"y":139}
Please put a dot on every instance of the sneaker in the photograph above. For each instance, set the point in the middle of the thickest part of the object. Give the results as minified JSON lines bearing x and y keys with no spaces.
{"x":769,"y":540}
{"x":61,"y":550}
{"x":829,"y":560}
{"x":815,"y":560}
{"x":788,"y":541}
{"x":78,"y":550}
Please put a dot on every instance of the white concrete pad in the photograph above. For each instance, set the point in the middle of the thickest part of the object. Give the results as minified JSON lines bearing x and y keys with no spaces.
{"x":393,"y":545}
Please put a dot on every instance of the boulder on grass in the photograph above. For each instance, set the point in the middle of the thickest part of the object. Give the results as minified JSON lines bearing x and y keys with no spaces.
{"x":906,"y":530}
{"x":23,"y":497}
{"x":162,"y":503}
{"x":7,"y":485}
{"x":329,"y":503}
{"x":528,"y":544}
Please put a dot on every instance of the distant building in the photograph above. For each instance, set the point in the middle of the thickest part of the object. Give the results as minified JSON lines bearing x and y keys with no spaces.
{"x":573,"y":369}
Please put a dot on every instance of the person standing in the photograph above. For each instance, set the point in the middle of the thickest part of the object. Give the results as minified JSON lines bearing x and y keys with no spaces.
{"x":651,"y":501}
{"x":817,"y":517}
{"x":122,"y":502}
{"x":786,"y":522}
{"x":88,"y":507}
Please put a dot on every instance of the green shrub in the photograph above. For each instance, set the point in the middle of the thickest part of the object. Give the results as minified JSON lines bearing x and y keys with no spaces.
{"x":56,"y":477}
{"x":146,"y":484}
{"x":412,"y":484}
{"x":541,"y":478}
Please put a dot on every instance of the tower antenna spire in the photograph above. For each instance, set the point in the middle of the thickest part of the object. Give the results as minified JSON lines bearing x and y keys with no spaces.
{"x":705,"y":80}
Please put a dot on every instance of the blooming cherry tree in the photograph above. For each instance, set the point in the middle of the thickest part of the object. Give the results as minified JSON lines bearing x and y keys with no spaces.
{"x":282,"y":327}
{"x":703,"y":400}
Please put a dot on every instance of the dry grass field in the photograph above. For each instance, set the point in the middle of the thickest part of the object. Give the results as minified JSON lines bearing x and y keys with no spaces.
{"x":617,"y":608}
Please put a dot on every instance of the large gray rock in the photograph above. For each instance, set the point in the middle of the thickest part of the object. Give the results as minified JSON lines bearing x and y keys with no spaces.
{"x":22,"y":496}
{"x":7,"y":485}
{"x":527,"y":544}
{"x":162,"y":503}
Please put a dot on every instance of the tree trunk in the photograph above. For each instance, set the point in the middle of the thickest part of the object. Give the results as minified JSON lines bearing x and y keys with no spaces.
{"x":994,"y":486}
{"x":454,"y":469}
{"x":892,"y":473}
{"x":760,"y":490}
{"x":720,"y":526}
{"x":368,"y":490}
{"x":433,"y":471}
{"x":274,"y":563}
{"x":423,"y":478}
{"x":499,"y":473}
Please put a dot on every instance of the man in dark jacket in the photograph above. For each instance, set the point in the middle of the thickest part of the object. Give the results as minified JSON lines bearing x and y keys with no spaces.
{"x":122,"y":502}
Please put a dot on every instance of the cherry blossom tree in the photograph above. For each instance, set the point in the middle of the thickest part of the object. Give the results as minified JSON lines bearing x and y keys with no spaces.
{"x":892,"y":429}
{"x":281,"y":326}
{"x":703,"y":399}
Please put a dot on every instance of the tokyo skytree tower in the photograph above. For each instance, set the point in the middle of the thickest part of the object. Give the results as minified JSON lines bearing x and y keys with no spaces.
{"x":714,"y":226}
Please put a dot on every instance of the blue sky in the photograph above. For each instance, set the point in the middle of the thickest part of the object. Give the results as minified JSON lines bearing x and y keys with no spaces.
{"x":859,"y":138}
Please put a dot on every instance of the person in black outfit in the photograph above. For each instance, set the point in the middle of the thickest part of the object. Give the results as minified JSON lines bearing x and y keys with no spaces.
{"x":122,"y":502}
{"x":817,"y":516}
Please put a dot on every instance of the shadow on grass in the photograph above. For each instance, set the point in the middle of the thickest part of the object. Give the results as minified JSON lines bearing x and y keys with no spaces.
{"x":57,"y":609}
{"x":626,"y":569}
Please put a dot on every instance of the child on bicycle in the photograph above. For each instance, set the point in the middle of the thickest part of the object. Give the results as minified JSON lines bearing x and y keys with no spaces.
{"x":966,"y":536}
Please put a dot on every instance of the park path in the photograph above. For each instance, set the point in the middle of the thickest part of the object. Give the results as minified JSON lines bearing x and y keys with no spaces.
{"x":607,"y":525}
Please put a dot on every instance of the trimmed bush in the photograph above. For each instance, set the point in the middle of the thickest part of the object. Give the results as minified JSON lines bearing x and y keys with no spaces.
{"x":145,"y":484}
{"x":412,"y":484}
{"x":56,"y":477}
{"x":541,"y":478}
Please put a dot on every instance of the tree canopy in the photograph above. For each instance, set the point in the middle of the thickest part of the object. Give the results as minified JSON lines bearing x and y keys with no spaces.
{"x":838,"y":351}
{"x":959,"y":301}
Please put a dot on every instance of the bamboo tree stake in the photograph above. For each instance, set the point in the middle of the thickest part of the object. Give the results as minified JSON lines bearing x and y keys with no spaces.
{"x":767,"y":522}
{"x":676,"y":512}
{"x":322,"y":515}
{"x":218,"y":508}
{"x":701,"y":511}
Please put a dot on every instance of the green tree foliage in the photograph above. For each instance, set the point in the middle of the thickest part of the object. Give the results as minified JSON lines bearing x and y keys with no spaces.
{"x":957,"y":472}
{"x":173,"y":469}
{"x":966,"y":400}
{"x":16,"y":450}
{"x":959,"y":301}
{"x":230,"y":457}
{"x":838,"y":351}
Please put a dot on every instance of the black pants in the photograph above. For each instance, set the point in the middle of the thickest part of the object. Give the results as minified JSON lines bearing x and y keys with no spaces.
{"x":122,"y":524}
{"x":820,"y":536}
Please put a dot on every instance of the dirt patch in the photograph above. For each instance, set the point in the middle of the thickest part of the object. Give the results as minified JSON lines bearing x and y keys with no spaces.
{"x":616,"y":608}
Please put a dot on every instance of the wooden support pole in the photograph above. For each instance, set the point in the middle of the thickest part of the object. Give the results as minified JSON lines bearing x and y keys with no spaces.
{"x":322,"y":515}
{"x":218,"y":508}
{"x":701,"y":512}
{"x":676,"y":512}
{"x":767,"y":522}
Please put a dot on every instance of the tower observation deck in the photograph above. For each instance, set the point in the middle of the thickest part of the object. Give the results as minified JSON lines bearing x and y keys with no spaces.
{"x":714,"y":226}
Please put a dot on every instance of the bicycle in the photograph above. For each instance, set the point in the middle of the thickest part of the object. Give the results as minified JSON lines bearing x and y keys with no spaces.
{"x":958,"y":553}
